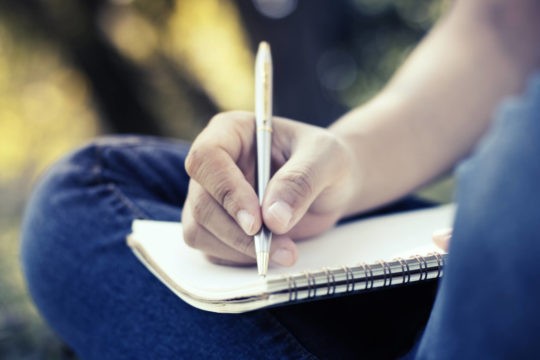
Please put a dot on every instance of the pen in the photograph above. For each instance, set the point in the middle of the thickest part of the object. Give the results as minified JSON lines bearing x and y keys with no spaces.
{"x":263,"y":129}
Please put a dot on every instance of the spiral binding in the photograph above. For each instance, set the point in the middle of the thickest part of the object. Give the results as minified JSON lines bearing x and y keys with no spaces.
{"x":368,"y":276}
{"x":312,"y":285}
{"x":405,"y":270}
{"x":364,"y":277}
{"x":291,"y":282}
{"x":440,"y":264}
{"x":349,"y":278}
{"x":331,"y":284}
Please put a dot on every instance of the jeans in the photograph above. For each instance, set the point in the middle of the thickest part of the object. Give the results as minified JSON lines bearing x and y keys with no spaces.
{"x":104,"y":304}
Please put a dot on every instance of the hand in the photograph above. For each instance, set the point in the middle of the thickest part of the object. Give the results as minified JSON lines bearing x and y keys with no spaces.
{"x":442,"y":238}
{"x":307,"y":194}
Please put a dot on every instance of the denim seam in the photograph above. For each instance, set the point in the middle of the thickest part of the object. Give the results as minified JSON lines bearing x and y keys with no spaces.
{"x":135,"y":210}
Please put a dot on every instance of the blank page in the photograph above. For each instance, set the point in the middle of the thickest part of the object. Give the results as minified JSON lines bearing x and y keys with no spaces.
{"x":160,"y":245}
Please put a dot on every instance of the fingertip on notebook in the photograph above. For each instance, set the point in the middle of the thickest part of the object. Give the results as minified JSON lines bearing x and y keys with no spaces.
{"x":442,"y":238}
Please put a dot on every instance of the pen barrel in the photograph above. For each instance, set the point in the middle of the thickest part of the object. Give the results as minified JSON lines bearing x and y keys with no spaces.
{"x":263,"y":116}
{"x":263,"y":121}
{"x":264,"y":143}
{"x":263,"y":91}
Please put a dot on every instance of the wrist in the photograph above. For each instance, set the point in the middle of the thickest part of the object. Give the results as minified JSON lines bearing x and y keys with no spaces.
{"x":373,"y":140}
{"x":354,"y":149}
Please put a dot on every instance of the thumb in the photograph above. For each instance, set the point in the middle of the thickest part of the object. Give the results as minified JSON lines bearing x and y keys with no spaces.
{"x":291,"y":192}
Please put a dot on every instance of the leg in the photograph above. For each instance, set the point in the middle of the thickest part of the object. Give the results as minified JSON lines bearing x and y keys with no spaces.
{"x":90,"y":288}
{"x":487,"y":305}
{"x":105,"y":304}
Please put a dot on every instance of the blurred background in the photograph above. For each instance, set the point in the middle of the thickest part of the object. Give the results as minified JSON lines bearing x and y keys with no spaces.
{"x":71,"y":70}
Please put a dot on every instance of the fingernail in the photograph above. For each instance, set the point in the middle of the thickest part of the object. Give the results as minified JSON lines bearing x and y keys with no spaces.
{"x":283,"y":256}
{"x":281,"y":211}
{"x":246,"y":221}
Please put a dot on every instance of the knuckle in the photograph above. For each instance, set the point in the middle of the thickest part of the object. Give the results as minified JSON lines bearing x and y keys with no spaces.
{"x":211,"y":172}
{"x":228,"y":115}
{"x":225,"y":194}
{"x":218,"y":118}
{"x":236,"y":121}
{"x":201,"y":206}
{"x":244,"y":244}
{"x":299,"y":182}
{"x":194,"y":161}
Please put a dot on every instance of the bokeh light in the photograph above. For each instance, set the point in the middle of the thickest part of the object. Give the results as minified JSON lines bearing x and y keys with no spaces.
{"x":206,"y":37}
{"x":275,"y":9}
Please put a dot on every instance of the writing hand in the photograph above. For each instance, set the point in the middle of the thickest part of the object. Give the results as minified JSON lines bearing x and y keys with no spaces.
{"x":307,"y":194}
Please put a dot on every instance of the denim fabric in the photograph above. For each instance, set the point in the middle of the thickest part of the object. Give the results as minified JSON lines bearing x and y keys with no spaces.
{"x":91,"y":289}
{"x":104,"y":304}
{"x":487,"y":306}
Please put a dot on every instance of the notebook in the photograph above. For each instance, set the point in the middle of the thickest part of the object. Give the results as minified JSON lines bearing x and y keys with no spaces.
{"x":363,"y":255}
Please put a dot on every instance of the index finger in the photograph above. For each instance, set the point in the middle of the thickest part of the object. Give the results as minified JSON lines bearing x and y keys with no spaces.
{"x":221,"y":160}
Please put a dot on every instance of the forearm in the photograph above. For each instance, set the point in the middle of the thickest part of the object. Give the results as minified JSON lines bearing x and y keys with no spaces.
{"x":439,"y":103}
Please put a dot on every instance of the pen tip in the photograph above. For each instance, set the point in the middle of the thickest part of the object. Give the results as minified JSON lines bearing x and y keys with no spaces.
{"x":262,"y":262}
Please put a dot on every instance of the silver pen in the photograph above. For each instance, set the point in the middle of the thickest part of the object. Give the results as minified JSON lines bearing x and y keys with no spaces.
{"x":263,"y":129}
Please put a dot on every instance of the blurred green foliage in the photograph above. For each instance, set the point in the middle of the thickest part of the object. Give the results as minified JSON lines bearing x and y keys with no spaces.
{"x":70,"y":70}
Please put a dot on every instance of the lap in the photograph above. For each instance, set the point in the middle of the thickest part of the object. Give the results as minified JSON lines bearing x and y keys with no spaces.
{"x":104,"y":303}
